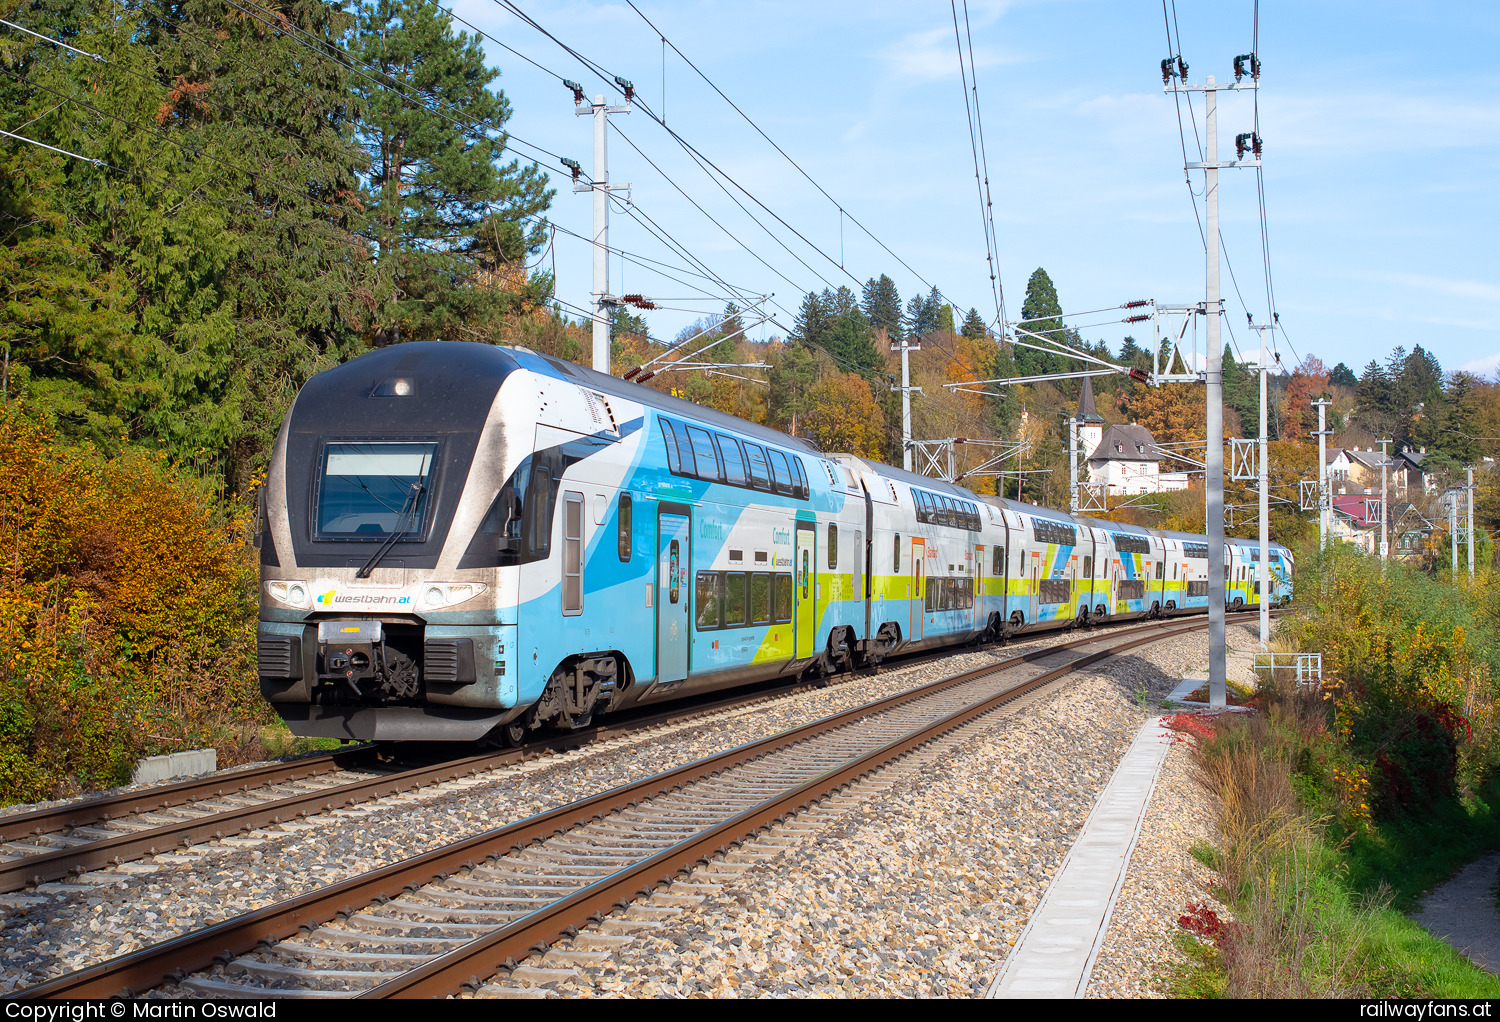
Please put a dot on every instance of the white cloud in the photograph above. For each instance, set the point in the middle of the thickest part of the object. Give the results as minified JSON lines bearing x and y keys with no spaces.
{"x":1482,"y":366}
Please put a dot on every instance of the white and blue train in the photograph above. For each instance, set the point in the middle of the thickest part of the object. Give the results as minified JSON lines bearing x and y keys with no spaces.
{"x":460,"y":540}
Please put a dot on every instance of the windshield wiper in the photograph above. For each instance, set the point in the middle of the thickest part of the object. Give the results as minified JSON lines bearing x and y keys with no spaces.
{"x":403,"y":522}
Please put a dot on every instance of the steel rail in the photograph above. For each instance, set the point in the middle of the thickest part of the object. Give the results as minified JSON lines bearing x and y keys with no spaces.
{"x":477,"y":960}
{"x":111,"y":807}
{"x":149,"y":967}
{"x":16,"y":874}
{"x":42,"y":866}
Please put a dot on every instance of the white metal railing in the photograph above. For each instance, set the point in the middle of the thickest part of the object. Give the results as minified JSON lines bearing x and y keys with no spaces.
{"x":1307,"y":667}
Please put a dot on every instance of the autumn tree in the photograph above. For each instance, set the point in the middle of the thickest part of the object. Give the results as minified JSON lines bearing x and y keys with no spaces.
{"x":1308,"y":382}
{"x":844,"y":416}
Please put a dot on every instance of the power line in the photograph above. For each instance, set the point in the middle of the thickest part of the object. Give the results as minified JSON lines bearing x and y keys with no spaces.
{"x":794,"y":163}
{"x":688,"y":147}
{"x":710,"y":216}
{"x":329,"y":52}
{"x":167,"y":137}
{"x":986,"y":222}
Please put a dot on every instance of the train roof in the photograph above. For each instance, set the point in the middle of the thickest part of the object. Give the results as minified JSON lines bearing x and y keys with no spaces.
{"x":1035,"y":510}
{"x":666,"y":403}
{"x":1108,"y":526}
{"x":909,"y":478}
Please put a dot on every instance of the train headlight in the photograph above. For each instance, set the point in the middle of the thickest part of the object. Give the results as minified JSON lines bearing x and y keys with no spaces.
{"x":293,"y":594}
{"x":447,"y":594}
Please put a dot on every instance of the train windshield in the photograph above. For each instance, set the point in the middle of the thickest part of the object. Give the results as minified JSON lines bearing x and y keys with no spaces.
{"x":369,"y":491}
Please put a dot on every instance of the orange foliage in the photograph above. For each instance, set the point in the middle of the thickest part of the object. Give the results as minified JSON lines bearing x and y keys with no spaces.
{"x":127,"y":615}
{"x":1299,"y":417}
{"x":845,"y":416}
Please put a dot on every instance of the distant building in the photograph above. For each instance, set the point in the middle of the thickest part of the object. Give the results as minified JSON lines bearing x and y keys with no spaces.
{"x":1357,"y":470}
{"x":1124,"y":458}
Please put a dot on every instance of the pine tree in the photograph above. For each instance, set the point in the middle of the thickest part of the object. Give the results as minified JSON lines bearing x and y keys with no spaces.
{"x":974,"y":325}
{"x":882,"y":306}
{"x":792,"y":378}
{"x":436,"y":132}
{"x":811,"y":323}
{"x":852,"y":342}
{"x":1342,"y":376}
{"x":1040,"y":306}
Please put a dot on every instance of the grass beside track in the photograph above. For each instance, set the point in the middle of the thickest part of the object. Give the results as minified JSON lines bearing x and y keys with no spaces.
{"x":1317,"y":907}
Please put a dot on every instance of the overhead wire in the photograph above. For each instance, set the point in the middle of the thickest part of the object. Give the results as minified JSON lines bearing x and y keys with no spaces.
{"x":613,"y":82}
{"x":787,"y":156}
{"x":986,"y":210}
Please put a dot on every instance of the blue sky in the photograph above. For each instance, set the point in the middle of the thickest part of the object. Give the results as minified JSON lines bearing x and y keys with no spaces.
{"x":1380,"y":121}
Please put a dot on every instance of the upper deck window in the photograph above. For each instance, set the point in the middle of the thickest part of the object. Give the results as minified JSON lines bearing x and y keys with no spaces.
{"x":369,"y":491}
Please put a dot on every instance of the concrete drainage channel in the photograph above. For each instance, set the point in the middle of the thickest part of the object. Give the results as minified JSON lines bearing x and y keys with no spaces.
{"x":455,"y":918}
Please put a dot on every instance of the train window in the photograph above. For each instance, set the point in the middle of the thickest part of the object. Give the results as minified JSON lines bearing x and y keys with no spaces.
{"x":572,"y":588}
{"x":734,"y":599}
{"x":833,"y":546}
{"x":685,"y":452}
{"x":1174,"y":572}
{"x":760,"y":597}
{"x":734,"y":460}
{"x":760,"y":557}
{"x":998,"y":568}
{"x":781,"y":473}
{"x":538,"y":511}
{"x":760,"y":474}
{"x":674,"y":464}
{"x":832,"y":480}
{"x":799,"y":479}
{"x":1055,"y":590}
{"x":931,"y":601}
{"x":736,"y":556}
{"x":896,"y":555}
{"x":708,"y":457}
{"x":710,"y":600}
{"x":626,"y":523}
{"x":950,"y":508}
{"x":859,"y":560}
{"x":783,"y":598}
{"x":370,"y":491}
{"x":1159,"y":565}
{"x":1088,"y":567}
{"x":675,"y":570}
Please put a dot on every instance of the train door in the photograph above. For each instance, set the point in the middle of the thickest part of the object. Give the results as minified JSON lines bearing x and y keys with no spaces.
{"x":805,"y":590}
{"x":1036,"y":585}
{"x":918,"y":590}
{"x":673,"y":537}
{"x":976,"y":579}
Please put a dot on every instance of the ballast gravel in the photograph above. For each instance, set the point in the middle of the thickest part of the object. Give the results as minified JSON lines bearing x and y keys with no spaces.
{"x":918,"y":892}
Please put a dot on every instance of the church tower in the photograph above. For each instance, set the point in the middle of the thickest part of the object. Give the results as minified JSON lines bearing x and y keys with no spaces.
{"x":1090,"y":422}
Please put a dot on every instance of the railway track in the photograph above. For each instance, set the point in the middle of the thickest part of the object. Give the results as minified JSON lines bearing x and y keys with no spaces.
{"x":61,"y":841}
{"x":454,"y":916}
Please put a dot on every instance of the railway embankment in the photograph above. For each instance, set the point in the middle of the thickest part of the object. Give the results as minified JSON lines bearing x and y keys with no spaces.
{"x":1335,"y":809}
